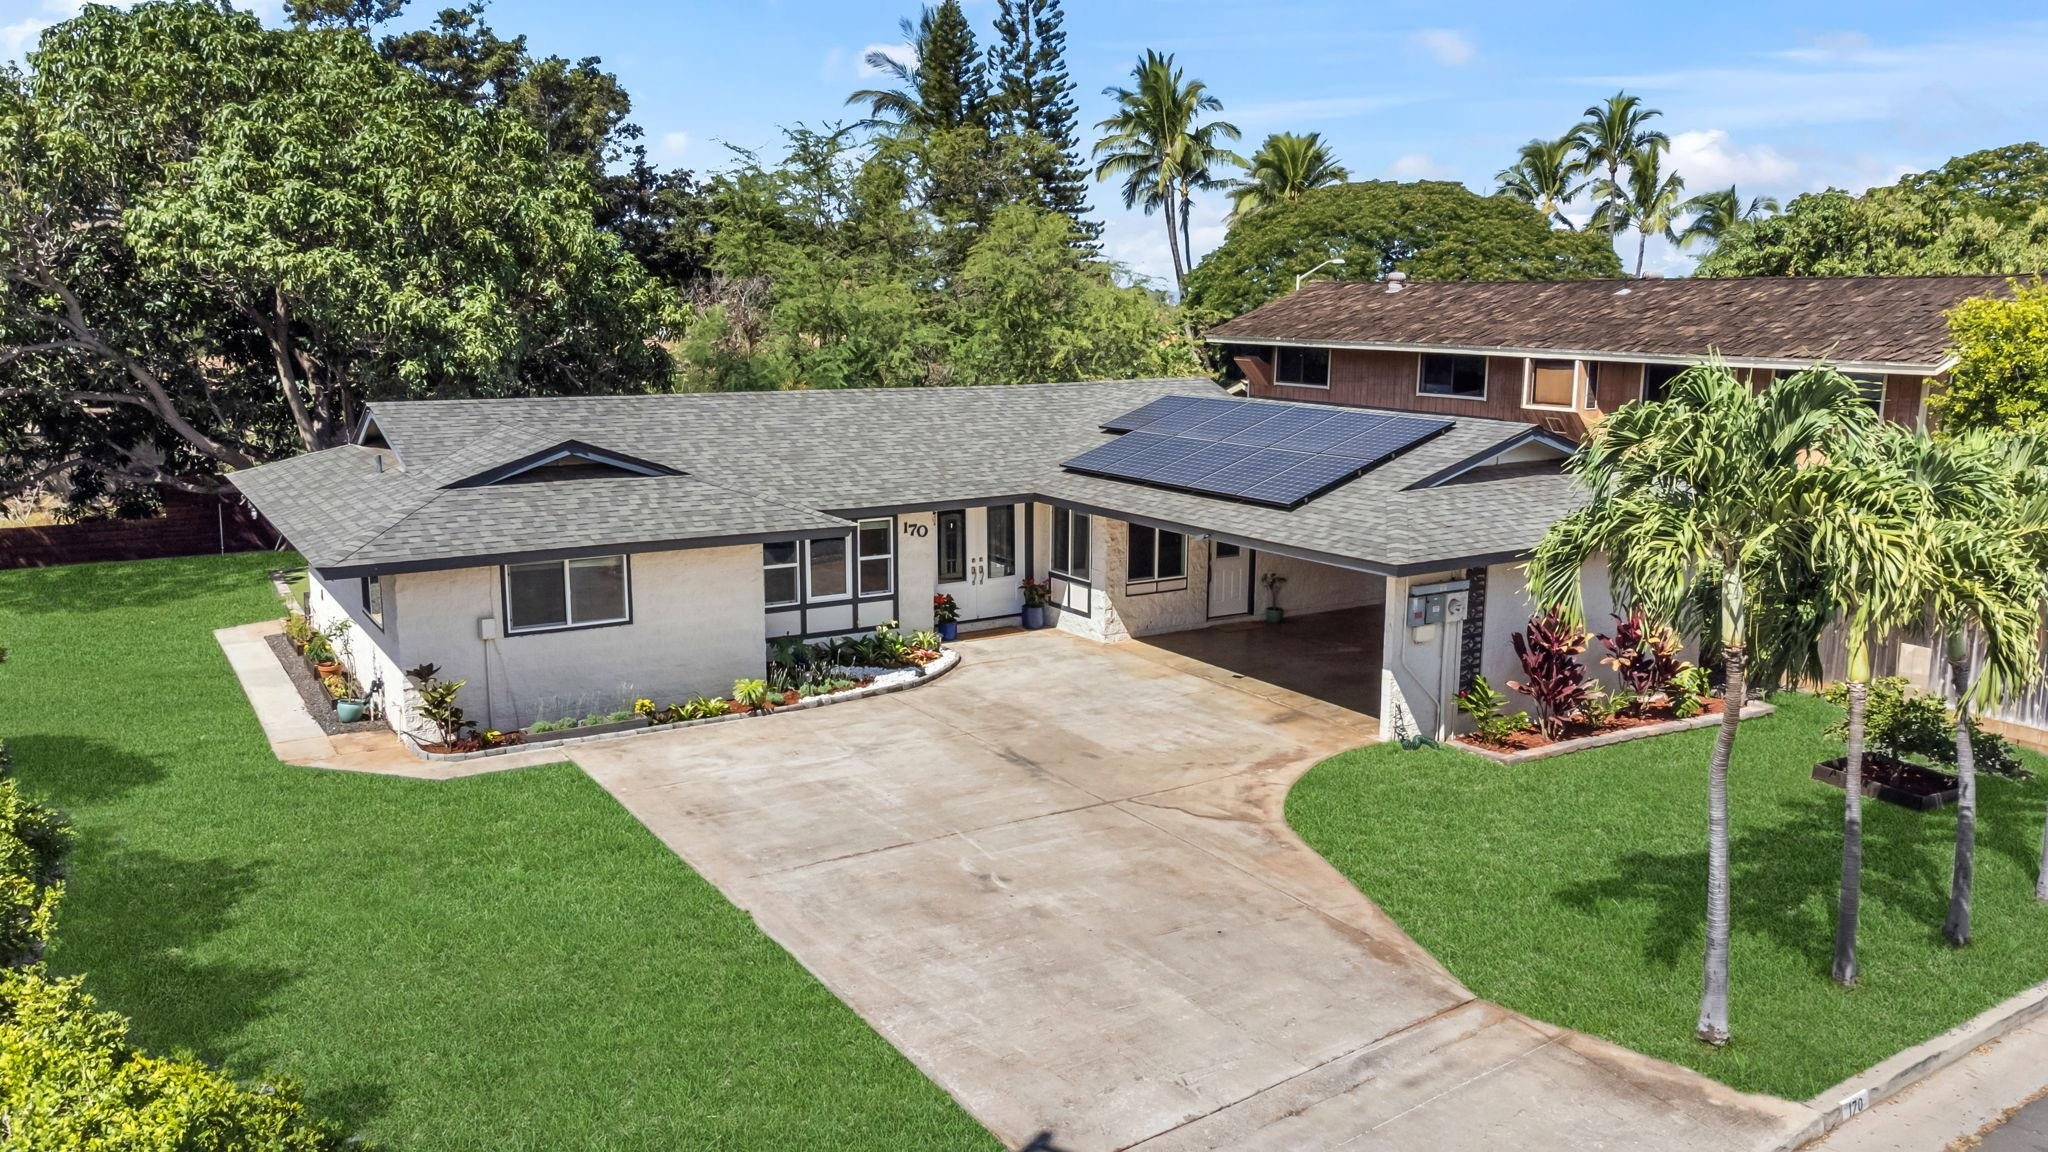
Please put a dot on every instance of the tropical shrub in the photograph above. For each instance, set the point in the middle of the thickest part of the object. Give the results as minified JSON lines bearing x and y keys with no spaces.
{"x":1907,"y":725}
{"x":69,"y":1078}
{"x":753,"y":695}
{"x":1601,"y":706}
{"x":926,"y":641}
{"x":437,"y":702}
{"x":34,"y":839}
{"x":1485,"y":705}
{"x":1689,"y":691}
{"x":1644,"y":658}
{"x":1553,"y":676}
{"x":703,"y":708}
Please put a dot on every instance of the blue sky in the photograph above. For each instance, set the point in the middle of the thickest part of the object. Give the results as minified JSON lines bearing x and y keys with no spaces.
{"x":1776,"y":97}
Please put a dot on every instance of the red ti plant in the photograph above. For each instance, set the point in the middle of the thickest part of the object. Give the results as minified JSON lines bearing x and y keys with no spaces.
{"x":1555,"y":679}
{"x":1645,"y":658}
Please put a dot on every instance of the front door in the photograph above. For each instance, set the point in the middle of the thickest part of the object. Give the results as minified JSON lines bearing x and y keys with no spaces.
{"x":978,"y":550}
{"x":1230,"y":580}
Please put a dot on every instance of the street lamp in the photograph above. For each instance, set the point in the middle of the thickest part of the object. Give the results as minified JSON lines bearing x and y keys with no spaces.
{"x":1316,"y":269}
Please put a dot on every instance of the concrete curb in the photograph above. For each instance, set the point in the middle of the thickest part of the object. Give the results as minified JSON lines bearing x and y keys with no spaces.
{"x":949,"y":660}
{"x":1620,"y":736}
{"x":1889,"y":1077}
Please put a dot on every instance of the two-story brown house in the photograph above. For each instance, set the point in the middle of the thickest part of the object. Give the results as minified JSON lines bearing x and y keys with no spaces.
{"x":1562,"y":354}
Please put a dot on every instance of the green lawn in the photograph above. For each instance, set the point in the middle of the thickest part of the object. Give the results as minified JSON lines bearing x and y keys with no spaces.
{"x":1574,"y":890}
{"x":508,"y":961}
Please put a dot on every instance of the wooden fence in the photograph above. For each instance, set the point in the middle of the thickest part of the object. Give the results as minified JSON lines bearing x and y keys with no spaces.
{"x":190,"y":526}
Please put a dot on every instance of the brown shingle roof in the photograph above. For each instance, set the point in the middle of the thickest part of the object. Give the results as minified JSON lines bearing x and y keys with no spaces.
{"x":1891,"y":321}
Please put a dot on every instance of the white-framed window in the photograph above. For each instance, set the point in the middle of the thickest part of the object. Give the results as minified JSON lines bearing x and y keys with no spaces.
{"x":1550,"y":384}
{"x":376,"y":598}
{"x":1157,"y":561}
{"x":875,"y":541}
{"x":827,"y":573}
{"x":1450,"y":374}
{"x":780,"y":584}
{"x":547,"y":595}
{"x":1070,"y":543}
{"x":1302,"y":367}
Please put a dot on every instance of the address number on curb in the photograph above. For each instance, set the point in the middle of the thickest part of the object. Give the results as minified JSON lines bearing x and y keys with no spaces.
{"x":1851,"y":1105}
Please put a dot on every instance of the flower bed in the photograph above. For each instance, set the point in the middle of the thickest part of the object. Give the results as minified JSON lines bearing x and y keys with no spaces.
{"x":1898,"y":782}
{"x":1653,"y":713}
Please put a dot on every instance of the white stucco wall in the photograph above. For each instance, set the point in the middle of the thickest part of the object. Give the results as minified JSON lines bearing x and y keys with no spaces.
{"x":1313,"y":587}
{"x":697,"y":626}
{"x":370,"y":652}
{"x":917,"y":569}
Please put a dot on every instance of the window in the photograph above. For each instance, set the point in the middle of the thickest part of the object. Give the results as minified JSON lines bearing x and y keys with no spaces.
{"x":1872,"y":388}
{"x":1303,"y":367}
{"x":1002,"y":540}
{"x":1657,"y":380}
{"x":877,"y":542}
{"x":1157,"y":557}
{"x":952,"y":546}
{"x":1552,"y":384}
{"x":566,"y":594}
{"x":1070,"y":543}
{"x":1442,"y":374}
{"x":778,"y":574}
{"x":826,"y":568}
{"x":376,"y":596}
{"x":1592,"y":399}
{"x":1225,"y":551}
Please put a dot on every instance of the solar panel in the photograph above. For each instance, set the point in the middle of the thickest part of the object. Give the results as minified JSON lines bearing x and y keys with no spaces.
{"x":1269,"y":452}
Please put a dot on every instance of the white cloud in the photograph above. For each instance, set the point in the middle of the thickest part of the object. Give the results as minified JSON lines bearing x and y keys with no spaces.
{"x":903,"y":54}
{"x":1447,"y":46}
{"x":17,"y":38}
{"x":1417,"y":166}
{"x":673,"y":144}
{"x":1709,"y":160}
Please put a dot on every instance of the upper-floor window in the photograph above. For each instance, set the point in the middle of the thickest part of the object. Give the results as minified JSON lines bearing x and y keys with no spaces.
{"x":1303,"y":367}
{"x":1657,"y":380}
{"x":553,"y":594}
{"x":1871,"y":385}
{"x":1446,"y":374}
{"x":1551,"y":384}
{"x":1592,"y":397}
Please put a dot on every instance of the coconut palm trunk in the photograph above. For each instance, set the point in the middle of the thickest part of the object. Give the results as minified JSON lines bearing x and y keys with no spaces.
{"x":1957,"y":926}
{"x":1168,"y":210}
{"x":1713,"y":1023}
{"x":1852,"y":813}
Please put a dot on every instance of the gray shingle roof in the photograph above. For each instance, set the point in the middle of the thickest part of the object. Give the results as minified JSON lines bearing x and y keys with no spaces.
{"x":1895,"y":321}
{"x":767,"y":464}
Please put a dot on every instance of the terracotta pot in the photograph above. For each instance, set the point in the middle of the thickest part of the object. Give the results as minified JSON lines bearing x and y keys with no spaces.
{"x":327,"y":668}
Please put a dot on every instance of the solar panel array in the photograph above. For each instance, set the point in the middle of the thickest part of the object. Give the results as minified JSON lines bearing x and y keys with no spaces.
{"x":1265,"y":452}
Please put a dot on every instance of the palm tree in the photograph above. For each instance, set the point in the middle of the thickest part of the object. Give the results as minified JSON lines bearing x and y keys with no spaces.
{"x":943,"y":85}
{"x":1155,"y":143}
{"x":1985,"y":587}
{"x":1548,"y":174}
{"x":1283,"y":168}
{"x":1195,"y":171}
{"x":1649,"y":201}
{"x":1696,"y":493}
{"x":1714,"y":213}
{"x":1613,"y":133}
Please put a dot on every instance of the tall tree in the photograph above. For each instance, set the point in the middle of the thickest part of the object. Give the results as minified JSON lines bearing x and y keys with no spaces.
{"x":1648,"y":200}
{"x":944,"y":83}
{"x":2001,"y":375}
{"x":1707,"y":487}
{"x":1715,"y":213}
{"x":1612,"y":135}
{"x":1156,"y":141}
{"x":1284,"y":167}
{"x":1547,"y":175}
{"x":1034,"y":99}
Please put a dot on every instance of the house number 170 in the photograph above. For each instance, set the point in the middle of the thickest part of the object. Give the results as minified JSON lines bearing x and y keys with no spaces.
{"x":917,"y":529}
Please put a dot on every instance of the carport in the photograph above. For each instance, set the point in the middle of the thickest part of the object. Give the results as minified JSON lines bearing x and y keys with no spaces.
{"x":1329,"y":656}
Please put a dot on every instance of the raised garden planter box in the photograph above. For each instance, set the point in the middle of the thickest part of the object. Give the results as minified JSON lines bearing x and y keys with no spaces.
{"x":1894,"y":781}
{"x":624,"y":729}
{"x":1603,"y":739}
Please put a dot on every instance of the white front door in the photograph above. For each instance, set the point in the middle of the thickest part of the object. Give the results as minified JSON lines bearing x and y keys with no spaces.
{"x":1230,"y":580}
{"x":978,"y":550}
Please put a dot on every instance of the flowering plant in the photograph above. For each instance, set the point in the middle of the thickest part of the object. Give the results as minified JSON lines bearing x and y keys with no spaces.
{"x":945,"y":609}
{"x":1037,"y":593}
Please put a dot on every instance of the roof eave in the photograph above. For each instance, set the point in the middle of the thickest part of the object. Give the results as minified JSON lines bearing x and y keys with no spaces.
{"x":1791,"y":363}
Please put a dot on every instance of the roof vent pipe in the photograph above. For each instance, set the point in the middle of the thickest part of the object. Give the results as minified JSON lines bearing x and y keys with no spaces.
{"x":380,"y":462}
{"x":1396,"y":281}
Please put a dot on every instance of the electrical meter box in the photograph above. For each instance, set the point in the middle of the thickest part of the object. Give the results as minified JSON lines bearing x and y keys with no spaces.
{"x":1435,"y":603}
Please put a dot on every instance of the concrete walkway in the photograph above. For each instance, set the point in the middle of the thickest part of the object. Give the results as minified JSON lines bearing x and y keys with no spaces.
{"x":1059,"y":880}
{"x":1991,"y":1100}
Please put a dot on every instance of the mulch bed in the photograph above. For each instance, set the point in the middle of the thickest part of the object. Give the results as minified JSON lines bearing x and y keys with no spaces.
{"x":1898,"y":782}
{"x":1578,"y":729}
{"x":318,"y":702}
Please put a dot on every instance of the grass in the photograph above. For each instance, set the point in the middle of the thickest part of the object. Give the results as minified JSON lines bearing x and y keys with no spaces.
{"x":1574,"y":890}
{"x":508,"y":961}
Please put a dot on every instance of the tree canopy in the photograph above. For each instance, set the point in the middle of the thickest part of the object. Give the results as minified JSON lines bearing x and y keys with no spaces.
{"x":1434,"y":230}
{"x":2001,"y":374}
{"x":1986,"y":212}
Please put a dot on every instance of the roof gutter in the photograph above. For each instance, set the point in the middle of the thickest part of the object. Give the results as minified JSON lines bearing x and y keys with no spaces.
{"x":1902,"y":368}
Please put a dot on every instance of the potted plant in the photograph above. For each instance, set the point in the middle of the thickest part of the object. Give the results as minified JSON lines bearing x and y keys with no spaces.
{"x":946,"y":612}
{"x":1037,"y":594}
{"x":349,"y":709}
{"x":1273,"y":581}
{"x":320,"y":650}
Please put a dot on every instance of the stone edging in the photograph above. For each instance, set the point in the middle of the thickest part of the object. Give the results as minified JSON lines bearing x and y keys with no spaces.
{"x":1603,"y":739}
{"x":1894,"y":1074}
{"x":946,"y":662}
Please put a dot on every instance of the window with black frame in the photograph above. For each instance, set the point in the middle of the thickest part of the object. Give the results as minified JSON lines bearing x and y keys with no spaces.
{"x":554,"y":594}
{"x":1446,"y":374}
{"x":1158,"y":560}
{"x":1657,"y":380}
{"x":1002,"y":540}
{"x":952,"y":546}
{"x":1302,"y":367}
{"x":1070,"y":543}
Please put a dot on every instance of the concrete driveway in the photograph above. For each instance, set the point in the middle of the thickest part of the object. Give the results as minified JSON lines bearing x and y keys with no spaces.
{"x":1059,"y":881}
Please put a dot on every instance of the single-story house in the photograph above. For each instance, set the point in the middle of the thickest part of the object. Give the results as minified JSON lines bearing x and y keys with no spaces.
{"x":567,"y":555}
{"x":1561,"y":355}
